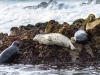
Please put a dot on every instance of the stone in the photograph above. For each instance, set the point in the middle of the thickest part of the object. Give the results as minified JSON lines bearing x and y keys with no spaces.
{"x":93,"y":24}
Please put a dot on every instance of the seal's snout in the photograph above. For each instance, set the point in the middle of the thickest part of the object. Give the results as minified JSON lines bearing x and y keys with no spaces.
{"x":34,"y":38}
{"x":73,"y":40}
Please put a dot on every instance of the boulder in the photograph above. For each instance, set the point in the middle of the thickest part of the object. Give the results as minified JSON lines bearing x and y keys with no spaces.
{"x":93,"y":24}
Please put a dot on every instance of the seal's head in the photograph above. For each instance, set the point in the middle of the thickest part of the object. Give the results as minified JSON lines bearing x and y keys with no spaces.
{"x":73,"y":39}
{"x":37,"y":37}
{"x":15,"y":43}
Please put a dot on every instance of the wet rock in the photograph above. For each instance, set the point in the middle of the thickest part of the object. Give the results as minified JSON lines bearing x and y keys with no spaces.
{"x":75,"y":54}
{"x":53,"y":2}
{"x":14,"y":31}
{"x":42,"y":5}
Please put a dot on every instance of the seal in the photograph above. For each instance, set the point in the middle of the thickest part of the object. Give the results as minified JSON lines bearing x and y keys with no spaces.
{"x":9,"y":52}
{"x":54,"y":38}
{"x":80,"y":37}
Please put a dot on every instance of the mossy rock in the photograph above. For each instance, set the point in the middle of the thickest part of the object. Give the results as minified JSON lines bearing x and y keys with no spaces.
{"x":30,"y":34}
{"x":93,"y":24}
{"x":89,"y":19}
{"x":78,"y":23}
{"x":81,"y":23}
{"x":52,"y":26}
{"x":66,"y":30}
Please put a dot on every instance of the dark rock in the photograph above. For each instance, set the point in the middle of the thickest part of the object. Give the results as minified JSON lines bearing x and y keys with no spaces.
{"x":42,"y":5}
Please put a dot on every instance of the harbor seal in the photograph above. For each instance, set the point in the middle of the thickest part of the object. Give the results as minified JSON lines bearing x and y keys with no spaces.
{"x":9,"y":52}
{"x":80,"y":37}
{"x":54,"y":38}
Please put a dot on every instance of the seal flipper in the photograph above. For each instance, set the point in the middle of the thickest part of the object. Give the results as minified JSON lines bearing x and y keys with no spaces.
{"x":72,"y":46}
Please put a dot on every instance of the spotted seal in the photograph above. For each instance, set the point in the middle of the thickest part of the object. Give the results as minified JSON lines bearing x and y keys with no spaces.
{"x":54,"y":38}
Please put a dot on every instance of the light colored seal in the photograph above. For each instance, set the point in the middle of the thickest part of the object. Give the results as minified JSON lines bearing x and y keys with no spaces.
{"x":9,"y":52}
{"x":80,"y":37}
{"x":54,"y":38}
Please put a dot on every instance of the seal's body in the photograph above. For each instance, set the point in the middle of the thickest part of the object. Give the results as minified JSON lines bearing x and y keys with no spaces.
{"x":80,"y":37}
{"x":9,"y":52}
{"x":54,"y":38}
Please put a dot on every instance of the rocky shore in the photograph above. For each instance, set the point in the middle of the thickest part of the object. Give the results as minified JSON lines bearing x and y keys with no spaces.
{"x":35,"y":53}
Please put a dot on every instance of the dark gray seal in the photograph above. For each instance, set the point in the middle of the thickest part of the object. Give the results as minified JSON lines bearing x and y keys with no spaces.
{"x":9,"y":52}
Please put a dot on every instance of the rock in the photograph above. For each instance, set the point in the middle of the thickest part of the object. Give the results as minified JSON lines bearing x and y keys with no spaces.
{"x":66,"y":30}
{"x":53,"y":2}
{"x":94,"y":35}
{"x":42,"y":4}
{"x":29,"y":34}
{"x":2,"y":35}
{"x":94,"y":32}
{"x":14,"y":31}
{"x":23,"y":29}
{"x":52,"y":26}
{"x":75,"y":54}
{"x":82,"y":23}
{"x":93,"y":24}
{"x":55,"y":27}
{"x":96,"y":1}
{"x":89,"y":19}
{"x":78,"y":24}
